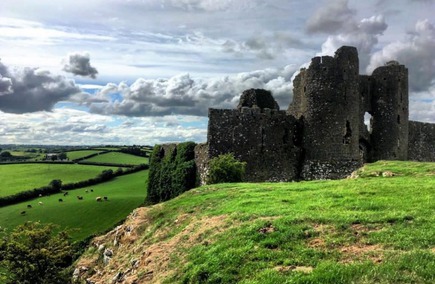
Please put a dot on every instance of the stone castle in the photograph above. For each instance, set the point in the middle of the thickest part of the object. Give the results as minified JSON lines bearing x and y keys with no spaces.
{"x":322,"y":134}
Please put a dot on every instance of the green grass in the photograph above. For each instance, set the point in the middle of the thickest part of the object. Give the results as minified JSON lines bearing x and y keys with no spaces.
{"x":19,"y":177}
{"x":74,"y":155}
{"x":88,"y":216}
{"x":365,"y":230}
{"x":118,"y":158}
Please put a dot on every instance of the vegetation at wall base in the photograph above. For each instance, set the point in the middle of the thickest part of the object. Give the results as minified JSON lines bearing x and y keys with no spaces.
{"x":171,"y":173}
{"x":225,"y":168}
{"x":370,"y":229}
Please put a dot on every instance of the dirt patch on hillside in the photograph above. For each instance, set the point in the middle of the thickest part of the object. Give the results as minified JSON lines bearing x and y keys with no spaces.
{"x":359,"y":250}
{"x":134,"y":253}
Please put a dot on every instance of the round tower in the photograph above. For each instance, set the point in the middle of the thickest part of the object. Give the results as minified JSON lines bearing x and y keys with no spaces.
{"x":326,"y":98}
{"x":389,"y":127}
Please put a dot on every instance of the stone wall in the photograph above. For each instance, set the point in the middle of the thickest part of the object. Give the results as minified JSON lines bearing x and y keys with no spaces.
{"x":267,"y":140}
{"x":421,"y":141}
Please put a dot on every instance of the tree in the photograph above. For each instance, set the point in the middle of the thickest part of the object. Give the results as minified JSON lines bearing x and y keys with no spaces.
{"x":62,"y":156}
{"x":5,"y":154}
{"x":34,"y":254}
{"x":55,"y":184}
{"x":225,"y":168}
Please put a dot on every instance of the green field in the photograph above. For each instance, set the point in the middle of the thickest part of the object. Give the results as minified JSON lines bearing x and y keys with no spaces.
{"x":124,"y":194}
{"x":19,"y":177}
{"x":74,"y":155}
{"x":372,"y":229}
{"x":118,"y":158}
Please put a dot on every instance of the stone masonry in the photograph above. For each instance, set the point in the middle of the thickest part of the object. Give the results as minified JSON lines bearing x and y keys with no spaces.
{"x":322,"y":135}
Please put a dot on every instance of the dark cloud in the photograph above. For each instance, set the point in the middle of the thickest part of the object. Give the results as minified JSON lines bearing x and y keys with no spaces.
{"x":363,"y":35}
{"x":79,"y":64}
{"x":32,"y":89}
{"x":332,"y":18}
{"x":263,"y":46}
{"x":184,"y":95}
{"x":416,"y":52}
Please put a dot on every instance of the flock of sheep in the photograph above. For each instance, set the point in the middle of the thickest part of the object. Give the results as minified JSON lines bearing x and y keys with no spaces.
{"x":79,"y":197}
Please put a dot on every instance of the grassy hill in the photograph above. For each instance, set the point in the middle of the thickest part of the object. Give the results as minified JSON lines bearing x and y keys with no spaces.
{"x":371,"y":229}
{"x":19,"y":177}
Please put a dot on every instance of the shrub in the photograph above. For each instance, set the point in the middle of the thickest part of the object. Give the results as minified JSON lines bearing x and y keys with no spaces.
{"x":225,"y":168}
{"x":34,"y":253}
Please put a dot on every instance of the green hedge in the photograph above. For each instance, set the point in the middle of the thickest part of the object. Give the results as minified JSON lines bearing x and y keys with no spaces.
{"x":225,"y":168}
{"x":171,"y":173}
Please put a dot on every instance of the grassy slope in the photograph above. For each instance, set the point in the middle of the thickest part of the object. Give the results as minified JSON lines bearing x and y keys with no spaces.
{"x":73,"y":155}
{"x":119,"y":158}
{"x":125,"y":193}
{"x":18,"y":177}
{"x":366,"y":230}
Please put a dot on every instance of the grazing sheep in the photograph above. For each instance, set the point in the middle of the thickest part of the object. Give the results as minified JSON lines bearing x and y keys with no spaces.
{"x":40,"y":203}
{"x":98,"y":198}
{"x":29,"y":206}
{"x":86,"y":191}
{"x":79,"y":197}
{"x":60,"y":200}
{"x":23,"y":212}
{"x":40,"y":195}
{"x":105,"y":198}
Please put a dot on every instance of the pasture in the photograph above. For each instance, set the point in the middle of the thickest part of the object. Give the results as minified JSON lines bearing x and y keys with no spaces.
{"x":119,"y":158}
{"x":74,"y":155}
{"x":19,"y":177}
{"x":85,"y":217}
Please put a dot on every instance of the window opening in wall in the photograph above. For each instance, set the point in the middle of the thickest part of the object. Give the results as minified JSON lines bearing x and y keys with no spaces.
{"x":347,"y":134}
{"x":368,"y":121}
{"x":398,"y":119}
{"x":305,"y":89}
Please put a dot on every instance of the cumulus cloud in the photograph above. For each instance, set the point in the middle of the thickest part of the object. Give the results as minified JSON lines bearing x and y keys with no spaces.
{"x":331,"y":18}
{"x":32,"y":89}
{"x":340,"y":23}
{"x":416,"y":51}
{"x":79,"y":64}
{"x":185,"y":95}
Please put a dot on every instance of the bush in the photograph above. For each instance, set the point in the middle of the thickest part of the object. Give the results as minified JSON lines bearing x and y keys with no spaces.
{"x":225,"y":168}
{"x":171,"y":173}
{"x":33,"y":253}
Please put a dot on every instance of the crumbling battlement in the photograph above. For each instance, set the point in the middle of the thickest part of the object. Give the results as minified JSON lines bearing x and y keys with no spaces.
{"x":322,"y":134}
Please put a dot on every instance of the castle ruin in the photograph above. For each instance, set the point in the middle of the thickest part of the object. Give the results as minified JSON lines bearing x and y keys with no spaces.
{"x":322,"y":134}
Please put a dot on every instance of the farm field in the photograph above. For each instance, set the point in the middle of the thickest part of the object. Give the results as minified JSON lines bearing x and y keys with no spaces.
{"x":19,"y":177}
{"x":119,"y":158}
{"x":73,"y":155}
{"x":86,"y":217}
{"x":371,"y":229}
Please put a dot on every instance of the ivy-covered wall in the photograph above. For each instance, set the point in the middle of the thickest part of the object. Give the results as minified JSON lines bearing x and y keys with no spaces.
{"x":172,"y":171}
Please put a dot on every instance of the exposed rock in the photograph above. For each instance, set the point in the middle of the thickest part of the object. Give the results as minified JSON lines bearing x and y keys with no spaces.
{"x":388,"y":174}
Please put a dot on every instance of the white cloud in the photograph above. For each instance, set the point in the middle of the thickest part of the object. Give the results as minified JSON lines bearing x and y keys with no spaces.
{"x":182,"y":94}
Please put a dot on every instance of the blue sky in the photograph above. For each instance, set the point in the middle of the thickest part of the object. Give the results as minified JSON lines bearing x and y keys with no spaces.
{"x":145,"y":72}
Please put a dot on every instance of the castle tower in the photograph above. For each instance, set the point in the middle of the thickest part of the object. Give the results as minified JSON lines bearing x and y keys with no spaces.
{"x":326,"y":99}
{"x":389,"y":104}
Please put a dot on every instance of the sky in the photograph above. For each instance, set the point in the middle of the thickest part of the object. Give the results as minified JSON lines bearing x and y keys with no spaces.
{"x":146,"y":71}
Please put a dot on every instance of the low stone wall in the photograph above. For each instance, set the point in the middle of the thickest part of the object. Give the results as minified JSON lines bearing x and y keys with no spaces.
{"x":421,"y":145}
